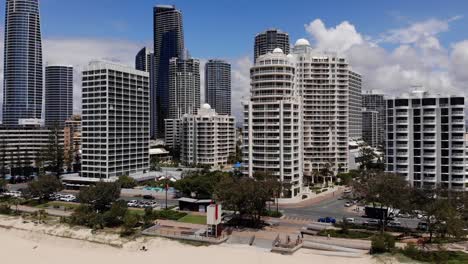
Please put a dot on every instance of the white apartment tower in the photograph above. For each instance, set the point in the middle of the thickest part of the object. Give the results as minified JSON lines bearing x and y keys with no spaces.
{"x":273,"y":122}
{"x":207,"y":138}
{"x":115,"y":121}
{"x":425,"y":140}
{"x":331,"y":97}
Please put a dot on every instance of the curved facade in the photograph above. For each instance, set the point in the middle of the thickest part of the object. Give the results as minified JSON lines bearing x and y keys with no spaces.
{"x":272,"y":122}
{"x":23,"y":73}
{"x":168,"y":44}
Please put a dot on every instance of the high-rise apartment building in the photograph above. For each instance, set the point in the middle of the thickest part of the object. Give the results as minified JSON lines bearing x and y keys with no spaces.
{"x":269,"y":40}
{"x":207,"y":138}
{"x":23,"y":73}
{"x":184,"y":95}
{"x":355,"y":105}
{"x":184,"y":87}
{"x":425,"y":141}
{"x":273,"y":122}
{"x":115,"y":121}
{"x":168,"y":44}
{"x":218,"y":86}
{"x":370,"y":127}
{"x":143,"y":60}
{"x":375,"y":102}
{"x":58,"y":95}
{"x":329,"y":101}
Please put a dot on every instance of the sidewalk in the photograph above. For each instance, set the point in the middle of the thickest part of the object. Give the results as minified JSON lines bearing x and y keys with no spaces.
{"x":317,"y":199}
{"x":54,"y":212}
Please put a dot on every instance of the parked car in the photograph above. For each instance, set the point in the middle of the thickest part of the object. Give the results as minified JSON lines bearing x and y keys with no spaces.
{"x":423,"y":226}
{"x":405,"y":215}
{"x":16,"y":194}
{"x":372,"y":222}
{"x":350,"y":220}
{"x":327,"y":219}
{"x":348,"y":204}
{"x":394,"y":224}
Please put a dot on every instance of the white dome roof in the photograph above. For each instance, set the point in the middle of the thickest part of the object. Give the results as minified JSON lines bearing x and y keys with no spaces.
{"x":302,"y":42}
{"x":290,"y":56}
{"x":277,"y":50}
{"x":206,"y":106}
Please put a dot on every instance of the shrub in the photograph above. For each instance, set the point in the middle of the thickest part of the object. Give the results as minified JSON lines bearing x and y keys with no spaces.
{"x":5,"y":209}
{"x":130,"y":221}
{"x":270,"y":213}
{"x":382,"y":243}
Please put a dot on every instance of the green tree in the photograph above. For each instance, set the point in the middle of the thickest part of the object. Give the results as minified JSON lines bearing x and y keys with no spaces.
{"x":101,"y":196}
{"x":383,"y":190}
{"x":126,"y":182}
{"x":43,"y":187}
{"x":52,"y":155}
{"x":202,"y":184}
{"x":3,"y":184}
{"x":115,"y":215}
{"x":130,"y":221}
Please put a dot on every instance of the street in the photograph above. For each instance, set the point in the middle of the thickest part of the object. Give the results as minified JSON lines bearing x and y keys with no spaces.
{"x":335,"y":208}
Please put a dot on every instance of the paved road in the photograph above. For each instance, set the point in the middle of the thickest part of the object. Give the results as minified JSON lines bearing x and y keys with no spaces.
{"x":334,"y":207}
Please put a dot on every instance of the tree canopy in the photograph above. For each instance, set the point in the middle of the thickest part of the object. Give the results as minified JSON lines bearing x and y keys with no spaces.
{"x":100,"y":196}
{"x":44,"y":187}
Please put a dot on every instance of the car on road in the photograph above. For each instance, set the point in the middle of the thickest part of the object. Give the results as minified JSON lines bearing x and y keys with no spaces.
{"x":327,"y":219}
{"x":371,"y":222}
{"x":350,"y":220}
{"x":394,"y":224}
{"x":348,"y":204}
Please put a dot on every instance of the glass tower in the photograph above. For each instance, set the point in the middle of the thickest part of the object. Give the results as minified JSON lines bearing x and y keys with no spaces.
{"x":218,"y":86}
{"x":168,"y":44}
{"x":58,"y":95}
{"x":22,"y":87}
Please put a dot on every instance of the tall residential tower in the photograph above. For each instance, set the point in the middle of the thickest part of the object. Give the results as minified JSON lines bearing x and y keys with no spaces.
{"x":58,"y":95}
{"x":269,"y":40}
{"x":168,"y":44}
{"x":23,"y":73}
{"x":143,"y":60}
{"x":218,"y":86}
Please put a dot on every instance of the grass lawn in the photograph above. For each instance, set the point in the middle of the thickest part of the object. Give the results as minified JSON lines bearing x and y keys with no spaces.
{"x":57,"y":205}
{"x":193,"y":219}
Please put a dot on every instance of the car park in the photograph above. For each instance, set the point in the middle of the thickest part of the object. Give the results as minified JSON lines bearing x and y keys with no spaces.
{"x":142,"y":204}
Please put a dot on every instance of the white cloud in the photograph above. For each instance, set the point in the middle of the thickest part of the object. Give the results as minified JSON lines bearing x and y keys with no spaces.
{"x":340,"y":38}
{"x":240,"y":78}
{"x":417,"y":59}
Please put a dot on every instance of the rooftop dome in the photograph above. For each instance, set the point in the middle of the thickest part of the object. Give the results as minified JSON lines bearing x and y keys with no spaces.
{"x":277,"y":51}
{"x":206,"y":106}
{"x":302,"y":42}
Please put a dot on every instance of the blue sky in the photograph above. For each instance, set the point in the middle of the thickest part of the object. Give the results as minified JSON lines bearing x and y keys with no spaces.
{"x":223,"y":28}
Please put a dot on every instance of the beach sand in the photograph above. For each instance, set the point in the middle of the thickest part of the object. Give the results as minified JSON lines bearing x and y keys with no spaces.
{"x":29,"y":244}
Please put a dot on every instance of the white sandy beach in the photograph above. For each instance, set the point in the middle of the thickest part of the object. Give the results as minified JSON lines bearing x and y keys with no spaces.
{"x":32,"y":245}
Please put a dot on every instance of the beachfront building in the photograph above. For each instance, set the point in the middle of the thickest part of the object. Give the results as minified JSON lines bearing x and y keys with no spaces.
{"x":425,"y":139}
{"x":22,"y":70}
{"x":207,"y":138}
{"x":115,"y":121}
{"x":218,"y":86}
{"x":58,"y":95}
{"x":272,"y":140}
{"x":331,"y":100}
{"x":21,"y":145}
{"x":267,"y":41}
{"x":168,"y":44}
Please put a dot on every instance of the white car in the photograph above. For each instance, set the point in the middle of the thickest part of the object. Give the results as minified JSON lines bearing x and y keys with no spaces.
{"x":394,"y":224}
{"x":67,"y":198}
{"x":348,"y":204}
{"x":350,"y":220}
{"x":132,"y":203}
{"x":15,"y":194}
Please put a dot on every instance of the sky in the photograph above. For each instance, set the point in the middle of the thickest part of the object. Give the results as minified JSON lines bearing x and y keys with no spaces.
{"x":393,"y":44}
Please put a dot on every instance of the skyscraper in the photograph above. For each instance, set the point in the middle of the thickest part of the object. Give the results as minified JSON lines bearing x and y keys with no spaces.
{"x":425,"y":140}
{"x":58,"y":95}
{"x":218,"y":86}
{"x":115,"y":121}
{"x":269,"y":40}
{"x":23,"y":73}
{"x":376,"y":102}
{"x":370,"y":127}
{"x":168,"y":44}
{"x":355,"y":104}
{"x":143,"y":60}
{"x":273,"y":122}
{"x":184,"y":87}
{"x":184,"y":95}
